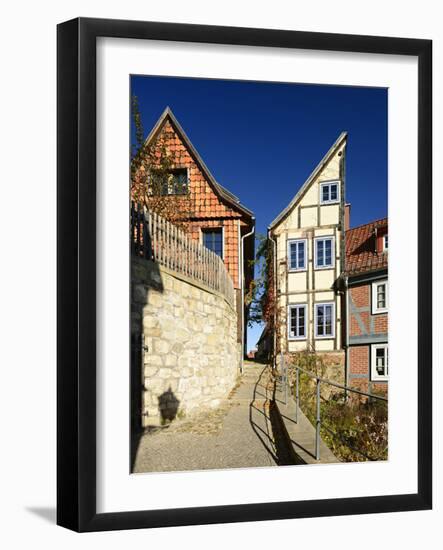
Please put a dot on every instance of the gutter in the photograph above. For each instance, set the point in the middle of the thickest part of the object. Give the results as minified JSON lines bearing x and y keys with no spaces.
{"x":240,"y":280}
{"x":367,"y":276}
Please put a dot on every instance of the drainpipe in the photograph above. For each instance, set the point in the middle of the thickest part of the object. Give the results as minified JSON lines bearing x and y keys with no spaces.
{"x":239,"y":271}
{"x":347,"y":331}
{"x":243,"y":293}
{"x":274,"y":242}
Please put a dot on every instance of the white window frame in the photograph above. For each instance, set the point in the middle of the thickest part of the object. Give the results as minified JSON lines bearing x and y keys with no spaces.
{"x":376,"y":310}
{"x":375,"y":377}
{"x":385,"y":246}
{"x":328,"y":184}
{"x":327,"y":336}
{"x":305,"y":242}
{"x":325,"y":238}
{"x":290,"y":308}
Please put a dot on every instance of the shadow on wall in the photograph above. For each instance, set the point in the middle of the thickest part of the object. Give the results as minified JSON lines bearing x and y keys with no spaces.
{"x":168,"y":405}
{"x":145,"y":278}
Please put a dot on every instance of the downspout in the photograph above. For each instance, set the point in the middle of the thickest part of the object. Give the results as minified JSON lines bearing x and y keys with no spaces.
{"x":239,"y":271}
{"x":345,"y":278}
{"x":243,"y":293}
{"x":274,"y":242}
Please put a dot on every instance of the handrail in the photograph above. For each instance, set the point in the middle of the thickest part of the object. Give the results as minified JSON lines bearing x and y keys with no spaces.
{"x":346,"y":388}
{"x":318,"y":381}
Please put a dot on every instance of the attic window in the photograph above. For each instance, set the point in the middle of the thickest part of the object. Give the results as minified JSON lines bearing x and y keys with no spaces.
{"x":174,"y":182}
{"x":329,"y":192}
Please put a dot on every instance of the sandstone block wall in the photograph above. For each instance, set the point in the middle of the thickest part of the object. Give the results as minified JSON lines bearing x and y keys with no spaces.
{"x":191,"y":355}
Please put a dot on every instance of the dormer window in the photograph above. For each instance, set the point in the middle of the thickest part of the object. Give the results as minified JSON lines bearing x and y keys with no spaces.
{"x":329,"y":192}
{"x":381,"y":239}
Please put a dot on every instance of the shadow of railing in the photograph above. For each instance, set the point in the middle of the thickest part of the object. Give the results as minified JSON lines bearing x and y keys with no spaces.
{"x":271,"y":437}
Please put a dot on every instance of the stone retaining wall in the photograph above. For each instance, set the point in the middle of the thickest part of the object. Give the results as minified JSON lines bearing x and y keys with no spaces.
{"x":330,"y":366}
{"x":191,"y":356}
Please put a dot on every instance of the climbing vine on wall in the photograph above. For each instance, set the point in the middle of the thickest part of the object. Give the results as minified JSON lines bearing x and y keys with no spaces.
{"x":154,"y":179}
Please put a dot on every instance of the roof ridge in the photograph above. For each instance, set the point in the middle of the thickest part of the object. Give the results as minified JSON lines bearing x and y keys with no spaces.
{"x":342,"y":137}
{"x":225,"y":193}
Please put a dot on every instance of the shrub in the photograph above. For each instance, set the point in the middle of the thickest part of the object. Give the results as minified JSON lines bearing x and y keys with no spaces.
{"x":354,"y":427}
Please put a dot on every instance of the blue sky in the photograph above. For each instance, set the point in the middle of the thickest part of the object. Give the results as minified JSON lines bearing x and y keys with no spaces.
{"x":262,"y":140}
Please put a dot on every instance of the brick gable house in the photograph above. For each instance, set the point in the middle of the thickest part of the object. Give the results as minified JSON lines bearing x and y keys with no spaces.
{"x":367,"y":295}
{"x":217,"y":219}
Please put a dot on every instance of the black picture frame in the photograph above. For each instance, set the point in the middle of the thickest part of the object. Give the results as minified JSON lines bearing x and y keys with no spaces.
{"x":76,"y":265}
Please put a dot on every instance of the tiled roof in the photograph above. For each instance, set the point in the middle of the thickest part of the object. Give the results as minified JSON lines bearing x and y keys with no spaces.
{"x":227,"y":195}
{"x":361,"y":252}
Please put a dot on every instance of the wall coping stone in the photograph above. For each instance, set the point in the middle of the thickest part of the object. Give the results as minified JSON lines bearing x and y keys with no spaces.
{"x":181,"y":277}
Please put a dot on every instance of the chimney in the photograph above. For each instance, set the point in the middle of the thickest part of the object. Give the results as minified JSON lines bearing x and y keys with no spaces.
{"x":347,"y":215}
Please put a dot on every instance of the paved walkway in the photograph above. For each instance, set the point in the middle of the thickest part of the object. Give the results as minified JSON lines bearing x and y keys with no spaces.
{"x":238,"y":434}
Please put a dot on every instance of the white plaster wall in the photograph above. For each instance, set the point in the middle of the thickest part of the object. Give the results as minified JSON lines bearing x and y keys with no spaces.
{"x":292,"y":284}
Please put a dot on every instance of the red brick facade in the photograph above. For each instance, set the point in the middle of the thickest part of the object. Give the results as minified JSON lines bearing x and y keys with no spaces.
{"x":366,"y":266}
{"x":212,"y":206}
{"x":368,"y":327}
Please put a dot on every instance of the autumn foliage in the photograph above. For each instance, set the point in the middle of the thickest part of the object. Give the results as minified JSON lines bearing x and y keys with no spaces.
{"x":155,"y":182}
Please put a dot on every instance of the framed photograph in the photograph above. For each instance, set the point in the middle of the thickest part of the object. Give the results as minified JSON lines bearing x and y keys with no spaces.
{"x":244,"y":274}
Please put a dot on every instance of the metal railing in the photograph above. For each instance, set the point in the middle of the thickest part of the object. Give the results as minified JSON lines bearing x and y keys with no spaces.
{"x":157,"y":239}
{"x":318,"y":381}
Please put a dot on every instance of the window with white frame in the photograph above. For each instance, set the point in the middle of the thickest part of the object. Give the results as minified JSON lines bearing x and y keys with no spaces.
{"x":297,"y":322}
{"x":324,"y":252}
{"x":325,"y":320}
{"x":379,"y":297}
{"x":385,"y":242}
{"x":379,"y":362}
{"x":329,"y":192}
{"x":297,"y":252}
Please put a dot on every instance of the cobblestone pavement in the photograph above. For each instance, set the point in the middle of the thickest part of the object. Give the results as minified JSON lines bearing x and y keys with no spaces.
{"x":238,"y":434}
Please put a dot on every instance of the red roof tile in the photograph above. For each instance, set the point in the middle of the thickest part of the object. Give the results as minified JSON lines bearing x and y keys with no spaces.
{"x":361,"y":252}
